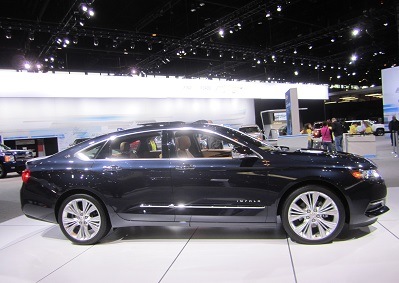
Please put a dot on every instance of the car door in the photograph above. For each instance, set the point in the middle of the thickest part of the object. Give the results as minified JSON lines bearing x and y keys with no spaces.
{"x":134,"y":176}
{"x":212,"y":186}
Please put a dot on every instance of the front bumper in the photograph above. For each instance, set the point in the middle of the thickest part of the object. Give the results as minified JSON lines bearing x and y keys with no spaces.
{"x":376,"y":208}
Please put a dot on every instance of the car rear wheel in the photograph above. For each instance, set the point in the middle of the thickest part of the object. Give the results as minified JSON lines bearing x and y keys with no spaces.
{"x":313,"y":215}
{"x":83,"y":219}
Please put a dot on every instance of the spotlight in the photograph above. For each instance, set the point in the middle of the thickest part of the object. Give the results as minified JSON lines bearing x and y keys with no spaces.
{"x":95,"y":41}
{"x":295,"y":52}
{"x":58,"y":40}
{"x":332,"y":39}
{"x":232,"y":55}
{"x":353,"y":57}
{"x":90,"y":12}
{"x":221,"y":33}
{"x":114,"y":43}
{"x":8,"y":34}
{"x":208,"y":53}
{"x":150,"y":46}
{"x":81,"y":22}
{"x":279,"y":9}
{"x":355,"y":31}
{"x":75,"y":40}
{"x":296,"y":73}
{"x":268,"y":14}
{"x":132,"y":45}
{"x":310,"y":47}
{"x":221,"y":54}
{"x":194,"y":51}
{"x":83,"y":7}
{"x":27,"y":65}
{"x":31,"y":35}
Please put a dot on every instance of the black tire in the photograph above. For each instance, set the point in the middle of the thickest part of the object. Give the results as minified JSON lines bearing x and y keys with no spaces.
{"x":83,"y":220}
{"x":380,"y":132}
{"x":305,"y":222}
{"x":3,"y":173}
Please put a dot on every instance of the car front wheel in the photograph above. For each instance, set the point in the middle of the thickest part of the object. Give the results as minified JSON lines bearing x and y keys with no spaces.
{"x":83,"y":219}
{"x":313,"y":215}
{"x":380,"y":132}
{"x":3,"y":172}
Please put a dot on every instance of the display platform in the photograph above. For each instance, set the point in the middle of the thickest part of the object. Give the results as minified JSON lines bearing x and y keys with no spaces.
{"x":33,"y":251}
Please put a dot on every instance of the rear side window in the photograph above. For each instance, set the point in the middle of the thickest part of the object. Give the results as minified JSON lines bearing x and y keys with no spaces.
{"x":91,"y":152}
{"x":134,"y":146}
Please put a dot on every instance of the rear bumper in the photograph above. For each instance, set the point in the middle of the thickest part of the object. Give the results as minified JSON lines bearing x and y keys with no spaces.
{"x":15,"y":166}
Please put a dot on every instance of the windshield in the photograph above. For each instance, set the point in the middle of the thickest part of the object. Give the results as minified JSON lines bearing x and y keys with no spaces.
{"x":249,"y":129}
{"x":4,"y":147}
{"x":251,"y":140}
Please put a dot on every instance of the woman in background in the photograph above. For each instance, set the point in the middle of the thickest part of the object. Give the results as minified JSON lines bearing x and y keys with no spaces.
{"x":326,"y":137}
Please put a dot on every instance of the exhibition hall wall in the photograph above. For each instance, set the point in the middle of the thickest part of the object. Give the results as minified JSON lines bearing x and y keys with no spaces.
{"x":70,"y":106}
{"x":390,"y":91}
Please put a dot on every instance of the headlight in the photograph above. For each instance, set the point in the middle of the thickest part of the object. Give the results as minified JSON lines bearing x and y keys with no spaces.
{"x":9,"y":158}
{"x":371,"y":174}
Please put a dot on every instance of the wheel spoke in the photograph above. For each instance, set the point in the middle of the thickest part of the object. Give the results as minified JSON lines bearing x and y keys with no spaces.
{"x":95,"y":223}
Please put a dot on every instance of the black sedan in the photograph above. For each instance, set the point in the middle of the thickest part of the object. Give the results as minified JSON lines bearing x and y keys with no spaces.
{"x":126,"y":178}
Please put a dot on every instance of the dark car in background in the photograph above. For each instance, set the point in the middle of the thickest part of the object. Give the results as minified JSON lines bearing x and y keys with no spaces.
{"x":125,"y":179}
{"x":13,"y":160}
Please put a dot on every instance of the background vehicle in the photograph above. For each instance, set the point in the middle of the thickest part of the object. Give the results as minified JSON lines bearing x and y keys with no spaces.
{"x":12,"y":160}
{"x":252,"y":130}
{"x":126,"y":180}
{"x":378,"y":129}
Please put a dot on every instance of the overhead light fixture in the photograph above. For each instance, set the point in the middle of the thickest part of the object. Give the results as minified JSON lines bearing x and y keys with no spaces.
{"x":310,"y":47}
{"x":221,"y":54}
{"x":221,"y":32}
{"x":332,"y":39}
{"x":149,"y":46}
{"x":208,"y":53}
{"x":295,"y":52}
{"x":95,"y":41}
{"x":75,"y":40}
{"x":279,"y":9}
{"x":114,"y":43}
{"x":268,"y":14}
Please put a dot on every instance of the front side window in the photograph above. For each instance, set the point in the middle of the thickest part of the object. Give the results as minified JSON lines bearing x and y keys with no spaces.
{"x":201,"y":144}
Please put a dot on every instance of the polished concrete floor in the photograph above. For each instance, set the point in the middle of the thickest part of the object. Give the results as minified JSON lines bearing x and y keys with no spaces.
{"x":34,"y":251}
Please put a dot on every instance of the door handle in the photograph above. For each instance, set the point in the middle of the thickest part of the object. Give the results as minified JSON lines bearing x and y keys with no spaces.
{"x":112,"y":168}
{"x":185,"y":167}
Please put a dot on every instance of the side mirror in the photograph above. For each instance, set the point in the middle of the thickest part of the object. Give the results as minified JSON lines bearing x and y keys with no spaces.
{"x":284,"y":148}
{"x":240,"y":152}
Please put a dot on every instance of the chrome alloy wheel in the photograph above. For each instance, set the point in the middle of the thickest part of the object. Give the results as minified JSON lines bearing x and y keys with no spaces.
{"x":81,"y":219}
{"x":313,"y":215}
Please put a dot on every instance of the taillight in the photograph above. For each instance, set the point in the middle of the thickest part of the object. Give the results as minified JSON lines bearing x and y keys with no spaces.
{"x":25,"y":175}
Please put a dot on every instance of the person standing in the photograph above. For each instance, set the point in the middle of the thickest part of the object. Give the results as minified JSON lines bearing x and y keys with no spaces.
{"x":338,"y":131}
{"x":307,"y":130}
{"x":393,"y":128}
{"x":326,"y":137}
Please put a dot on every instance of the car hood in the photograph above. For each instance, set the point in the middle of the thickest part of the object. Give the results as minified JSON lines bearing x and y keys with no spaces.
{"x":317,"y":158}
